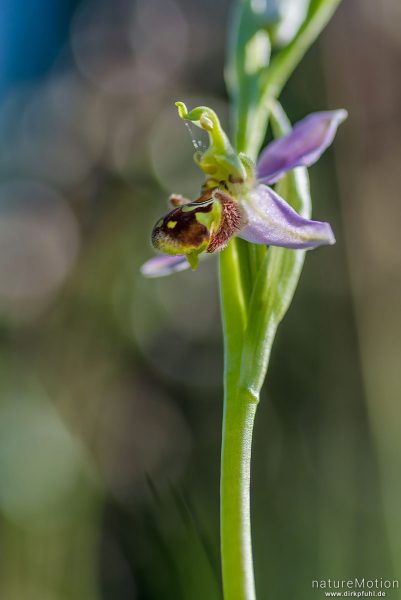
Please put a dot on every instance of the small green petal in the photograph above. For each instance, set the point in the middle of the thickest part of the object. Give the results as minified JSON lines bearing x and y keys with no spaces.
{"x":193,"y":260}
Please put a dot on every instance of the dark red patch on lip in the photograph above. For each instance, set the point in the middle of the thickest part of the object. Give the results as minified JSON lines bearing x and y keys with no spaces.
{"x":230,"y":223}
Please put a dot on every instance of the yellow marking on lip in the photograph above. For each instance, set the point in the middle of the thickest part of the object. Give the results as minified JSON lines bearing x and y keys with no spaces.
{"x":171,"y":224}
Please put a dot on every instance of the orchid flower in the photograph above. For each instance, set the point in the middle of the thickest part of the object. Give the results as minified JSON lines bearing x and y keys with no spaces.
{"x":237,"y":199}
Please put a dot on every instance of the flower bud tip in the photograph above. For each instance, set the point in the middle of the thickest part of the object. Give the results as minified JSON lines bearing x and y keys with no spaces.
{"x":182,"y":110}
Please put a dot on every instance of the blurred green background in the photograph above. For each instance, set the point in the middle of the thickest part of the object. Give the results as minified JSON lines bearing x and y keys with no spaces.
{"x":111,"y":396}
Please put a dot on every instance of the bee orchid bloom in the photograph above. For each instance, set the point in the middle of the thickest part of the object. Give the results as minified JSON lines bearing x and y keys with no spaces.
{"x":237,"y":199}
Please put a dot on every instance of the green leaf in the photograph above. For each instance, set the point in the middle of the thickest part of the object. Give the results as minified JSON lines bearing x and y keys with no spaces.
{"x":252,"y":88}
{"x":276,"y":280}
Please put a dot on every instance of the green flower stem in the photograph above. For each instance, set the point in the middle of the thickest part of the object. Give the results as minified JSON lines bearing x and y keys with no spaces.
{"x":236,"y":542}
{"x":234,"y":311}
{"x":238,"y":419}
{"x":239,"y":414}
